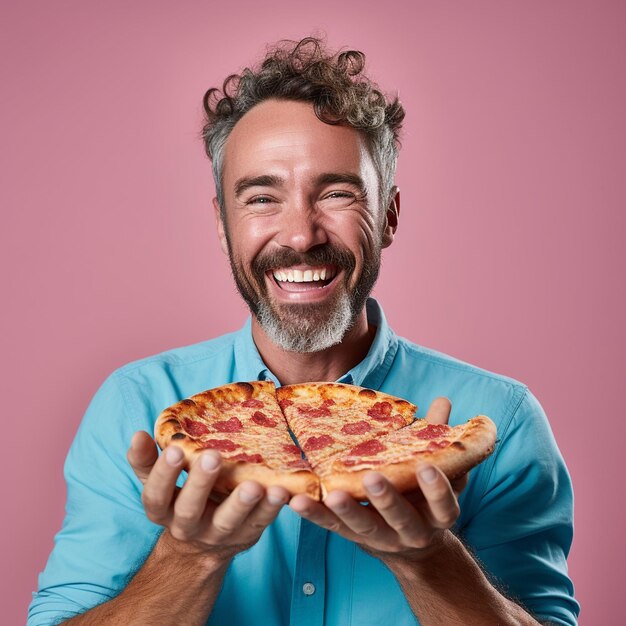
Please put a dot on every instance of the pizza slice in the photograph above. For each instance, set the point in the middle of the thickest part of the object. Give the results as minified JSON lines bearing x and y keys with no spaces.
{"x":329,"y":418}
{"x":453,"y":449}
{"x":245,"y":424}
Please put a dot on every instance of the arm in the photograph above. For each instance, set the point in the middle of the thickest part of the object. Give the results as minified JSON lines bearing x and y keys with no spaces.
{"x":182,"y":577}
{"x":442,"y":582}
{"x":176,"y":585}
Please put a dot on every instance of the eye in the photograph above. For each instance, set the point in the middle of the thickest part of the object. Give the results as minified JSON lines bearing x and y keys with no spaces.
{"x":260,"y":200}
{"x":338,"y":199}
{"x":340,"y":194}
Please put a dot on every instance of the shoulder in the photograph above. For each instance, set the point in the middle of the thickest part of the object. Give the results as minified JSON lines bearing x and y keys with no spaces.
{"x":430,"y":359}
{"x":217,"y":348}
{"x":425,"y":374}
{"x":146,"y":386}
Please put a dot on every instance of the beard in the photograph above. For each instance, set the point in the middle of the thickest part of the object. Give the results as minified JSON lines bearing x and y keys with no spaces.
{"x":307,"y":327}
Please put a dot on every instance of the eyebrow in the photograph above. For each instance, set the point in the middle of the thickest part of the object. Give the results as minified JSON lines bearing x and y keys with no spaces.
{"x":257,"y":181}
{"x":342,"y":177}
{"x":268,"y":180}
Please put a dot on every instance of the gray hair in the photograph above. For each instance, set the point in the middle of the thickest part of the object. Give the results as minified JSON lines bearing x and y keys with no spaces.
{"x":304,"y":71}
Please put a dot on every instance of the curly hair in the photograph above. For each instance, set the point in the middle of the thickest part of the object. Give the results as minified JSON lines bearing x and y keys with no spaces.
{"x":305,"y":71}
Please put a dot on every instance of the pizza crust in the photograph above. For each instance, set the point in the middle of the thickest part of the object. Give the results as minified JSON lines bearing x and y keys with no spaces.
{"x":474,"y":443}
{"x":341,"y":393}
{"x":474,"y":446}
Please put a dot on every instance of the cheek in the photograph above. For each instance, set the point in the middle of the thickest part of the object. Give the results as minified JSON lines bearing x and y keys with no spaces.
{"x":248,"y":238}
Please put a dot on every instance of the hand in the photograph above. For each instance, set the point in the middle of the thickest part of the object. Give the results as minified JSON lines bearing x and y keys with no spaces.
{"x":394,"y":525}
{"x":188,"y":512}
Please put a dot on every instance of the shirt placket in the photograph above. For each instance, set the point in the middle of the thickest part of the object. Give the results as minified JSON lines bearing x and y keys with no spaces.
{"x":309,"y":581}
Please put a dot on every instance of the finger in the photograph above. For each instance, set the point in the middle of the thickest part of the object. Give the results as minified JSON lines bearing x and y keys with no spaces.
{"x":411,"y":528}
{"x":319,"y":514}
{"x":191,"y":503}
{"x":267,"y":509}
{"x":362,"y":520}
{"x":439,"y":411}
{"x":442,"y":505}
{"x":459,"y":483}
{"x":142,"y":454}
{"x":158,"y":490}
{"x":229,"y":516}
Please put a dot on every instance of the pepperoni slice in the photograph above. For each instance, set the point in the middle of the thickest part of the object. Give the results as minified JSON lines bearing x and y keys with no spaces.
{"x":284,"y":402}
{"x":432,"y":431}
{"x":367,"y":448}
{"x":317,"y":443}
{"x":262,"y":420}
{"x":398,"y":421}
{"x":194,"y":428}
{"x":223,"y":445}
{"x":253,"y":403}
{"x":380,"y":411}
{"x":328,"y":402}
{"x":356,"y":428}
{"x":314,"y":412}
{"x":248,"y":458}
{"x":291,"y":448}
{"x":437,"y":445}
{"x":233,"y":425}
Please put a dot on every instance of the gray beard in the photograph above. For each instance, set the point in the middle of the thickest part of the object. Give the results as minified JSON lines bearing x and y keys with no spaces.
{"x":306,"y":328}
{"x":305,"y":332}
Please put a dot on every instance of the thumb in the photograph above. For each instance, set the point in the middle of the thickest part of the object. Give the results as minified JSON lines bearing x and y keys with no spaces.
{"x":439,"y":411}
{"x":142,"y":454}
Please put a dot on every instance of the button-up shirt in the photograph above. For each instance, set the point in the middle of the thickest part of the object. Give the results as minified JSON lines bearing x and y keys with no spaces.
{"x":516,"y":511}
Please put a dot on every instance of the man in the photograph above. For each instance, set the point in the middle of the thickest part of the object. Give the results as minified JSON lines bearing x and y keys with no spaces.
{"x":304,"y":151}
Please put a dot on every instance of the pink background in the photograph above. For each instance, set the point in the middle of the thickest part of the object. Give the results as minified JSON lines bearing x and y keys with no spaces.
{"x":508,"y":255}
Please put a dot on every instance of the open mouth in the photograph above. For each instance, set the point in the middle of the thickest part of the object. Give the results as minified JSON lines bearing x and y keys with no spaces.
{"x":304,"y":277}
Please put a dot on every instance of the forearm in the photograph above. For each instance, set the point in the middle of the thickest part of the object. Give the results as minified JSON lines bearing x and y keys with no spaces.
{"x":447,"y":587}
{"x":177,"y":585}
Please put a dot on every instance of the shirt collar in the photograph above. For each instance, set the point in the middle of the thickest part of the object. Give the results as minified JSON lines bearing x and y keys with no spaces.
{"x":370,"y":372}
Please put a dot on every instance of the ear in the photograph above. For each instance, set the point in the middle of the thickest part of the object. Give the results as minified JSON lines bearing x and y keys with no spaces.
{"x":391,"y":217}
{"x":221,"y":232}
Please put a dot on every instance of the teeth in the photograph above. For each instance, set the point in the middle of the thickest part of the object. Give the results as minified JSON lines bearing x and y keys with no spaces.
{"x":301,"y":276}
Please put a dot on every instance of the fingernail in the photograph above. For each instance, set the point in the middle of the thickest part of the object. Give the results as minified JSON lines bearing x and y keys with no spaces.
{"x":274,"y":499}
{"x":340,"y":507}
{"x":248,"y":497}
{"x":376,"y":487}
{"x":173,"y":455}
{"x":428,"y":475}
{"x":208,"y":462}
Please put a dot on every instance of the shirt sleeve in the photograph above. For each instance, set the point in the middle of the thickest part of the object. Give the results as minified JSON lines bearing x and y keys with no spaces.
{"x":106,"y":535}
{"x":522,"y":530}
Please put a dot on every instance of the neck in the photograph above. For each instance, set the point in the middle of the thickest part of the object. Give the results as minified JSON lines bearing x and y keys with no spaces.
{"x":328,"y":365}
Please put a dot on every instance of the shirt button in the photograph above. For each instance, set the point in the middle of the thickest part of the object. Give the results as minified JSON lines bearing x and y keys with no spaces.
{"x":308,"y":589}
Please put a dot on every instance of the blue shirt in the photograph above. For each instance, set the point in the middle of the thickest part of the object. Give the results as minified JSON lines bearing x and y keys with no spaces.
{"x":516,"y":511}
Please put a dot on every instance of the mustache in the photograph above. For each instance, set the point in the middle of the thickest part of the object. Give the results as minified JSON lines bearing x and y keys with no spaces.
{"x":326,"y":254}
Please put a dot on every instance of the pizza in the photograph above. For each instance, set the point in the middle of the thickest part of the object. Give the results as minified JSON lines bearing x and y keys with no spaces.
{"x":328,"y":418}
{"x":453,"y":449}
{"x":315,"y":437}
{"x":244,"y":423}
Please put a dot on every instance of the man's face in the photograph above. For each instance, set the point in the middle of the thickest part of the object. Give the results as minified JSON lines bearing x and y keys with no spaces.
{"x":304,"y":227}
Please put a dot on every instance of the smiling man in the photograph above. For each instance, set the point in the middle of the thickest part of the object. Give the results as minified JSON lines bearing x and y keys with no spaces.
{"x":303,"y":231}
{"x":304,"y":152}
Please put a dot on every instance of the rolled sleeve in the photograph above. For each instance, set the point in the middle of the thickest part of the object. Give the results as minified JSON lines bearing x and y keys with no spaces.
{"x":522,"y":531}
{"x":105,"y":536}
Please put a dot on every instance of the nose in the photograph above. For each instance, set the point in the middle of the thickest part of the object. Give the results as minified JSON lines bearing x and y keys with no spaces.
{"x":301,"y":229}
